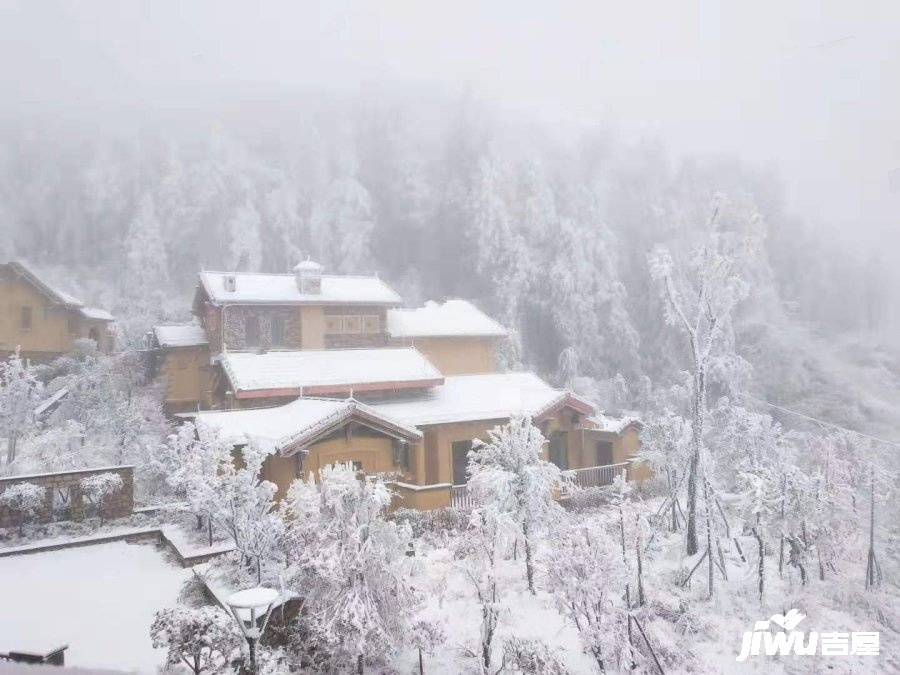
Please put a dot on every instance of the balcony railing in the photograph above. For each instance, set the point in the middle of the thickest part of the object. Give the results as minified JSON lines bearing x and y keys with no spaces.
{"x":591,"y":477}
{"x":460,"y":498}
{"x":596,"y":476}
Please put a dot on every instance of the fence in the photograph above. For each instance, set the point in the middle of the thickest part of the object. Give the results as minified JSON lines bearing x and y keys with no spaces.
{"x":596,"y":476}
{"x":63,"y":499}
{"x":460,"y":497}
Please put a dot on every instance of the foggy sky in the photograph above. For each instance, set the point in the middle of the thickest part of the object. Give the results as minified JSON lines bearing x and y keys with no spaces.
{"x":808,"y":87}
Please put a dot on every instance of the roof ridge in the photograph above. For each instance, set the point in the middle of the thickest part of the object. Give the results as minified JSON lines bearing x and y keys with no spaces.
{"x":290,"y":274}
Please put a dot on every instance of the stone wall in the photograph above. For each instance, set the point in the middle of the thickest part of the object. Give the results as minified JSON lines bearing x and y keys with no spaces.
{"x":63,"y":499}
{"x":236,"y":321}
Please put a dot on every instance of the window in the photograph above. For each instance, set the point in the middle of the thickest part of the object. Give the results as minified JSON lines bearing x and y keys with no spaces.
{"x":278,"y":331}
{"x":352,"y":324}
{"x":251,"y":332}
{"x":370,"y":324}
{"x":559,"y":454}
{"x":333,"y":325}
{"x":25,"y":321}
{"x":460,"y":461}
{"x":604,"y":453}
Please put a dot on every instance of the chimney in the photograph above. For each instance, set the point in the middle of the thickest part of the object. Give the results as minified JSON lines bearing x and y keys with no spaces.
{"x":308,"y":275}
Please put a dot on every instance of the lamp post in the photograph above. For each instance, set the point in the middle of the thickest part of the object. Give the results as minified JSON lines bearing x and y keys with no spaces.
{"x":251,"y":609}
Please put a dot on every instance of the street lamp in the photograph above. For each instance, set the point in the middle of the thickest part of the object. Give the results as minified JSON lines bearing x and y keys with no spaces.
{"x":252,"y":608}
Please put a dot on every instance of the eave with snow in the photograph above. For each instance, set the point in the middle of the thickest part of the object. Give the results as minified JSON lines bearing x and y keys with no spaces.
{"x":280,"y":374}
{"x":295,"y":426}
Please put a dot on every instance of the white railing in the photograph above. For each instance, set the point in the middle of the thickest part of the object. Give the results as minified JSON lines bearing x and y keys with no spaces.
{"x":596,"y":476}
{"x":460,"y":497}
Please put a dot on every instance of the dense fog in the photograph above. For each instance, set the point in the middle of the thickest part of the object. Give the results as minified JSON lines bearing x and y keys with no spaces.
{"x":528,"y":162}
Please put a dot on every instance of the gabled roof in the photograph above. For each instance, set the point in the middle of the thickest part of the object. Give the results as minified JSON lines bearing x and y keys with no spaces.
{"x":181,"y":335}
{"x":615,"y":424}
{"x":326,"y":372}
{"x":96,"y":314}
{"x":465,"y":398}
{"x":452,"y":318}
{"x":281,"y":289}
{"x":56,"y":295}
{"x":290,"y":428}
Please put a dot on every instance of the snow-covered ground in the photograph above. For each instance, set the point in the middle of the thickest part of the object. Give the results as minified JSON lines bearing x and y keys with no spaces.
{"x":98,"y":599}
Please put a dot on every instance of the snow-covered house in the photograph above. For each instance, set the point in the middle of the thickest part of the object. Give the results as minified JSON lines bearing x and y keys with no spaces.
{"x":44,"y":322}
{"x":321,"y":369}
{"x":258,"y":324}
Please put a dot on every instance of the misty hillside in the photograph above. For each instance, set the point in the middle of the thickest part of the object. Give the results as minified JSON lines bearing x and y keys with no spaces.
{"x":447,"y":198}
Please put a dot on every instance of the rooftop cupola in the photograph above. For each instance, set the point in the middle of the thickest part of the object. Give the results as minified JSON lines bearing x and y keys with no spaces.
{"x":308,"y":275}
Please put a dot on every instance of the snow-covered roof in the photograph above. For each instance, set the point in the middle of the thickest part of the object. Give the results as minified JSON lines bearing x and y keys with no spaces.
{"x":308,"y":266}
{"x":295,"y":424}
{"x":56,"y":294}
{"x":452,"y":318}
{"x":614,"y":423}
{"x":183,"y":335}
{"x":323,"y":372}
{"x":282,"y":289}
{"x":465,"y":398}
{"x":96,"y":314}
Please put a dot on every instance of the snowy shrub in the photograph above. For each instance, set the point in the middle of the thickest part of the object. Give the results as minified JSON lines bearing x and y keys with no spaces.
{"x":587,"y":499}
{"x":349,"y":564}
{"x":202,"y":639}
{"x":26,"y":499}
{"x":100,"y":488}
{"x":534,"y":657}
{"x":429,"y":522}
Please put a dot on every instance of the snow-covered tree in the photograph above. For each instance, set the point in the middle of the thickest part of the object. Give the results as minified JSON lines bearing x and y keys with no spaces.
{"x":349,"y":564}
{"x":146,"y":270}
{"x":190,"y":462}
{"x":58,"y":448}
{"x":586,"y":575}
{"x":701,"y":293}
{"x":241,"y":502}
{"x":202,"y":639}
{"x":478,"y":553}
{"x":100,"y":489}
{"x":534,"y":657}
{"x":26,"y":499}
{"x":246,"y":246}
{"x":509,"y":476}
{"x":19,"y":394}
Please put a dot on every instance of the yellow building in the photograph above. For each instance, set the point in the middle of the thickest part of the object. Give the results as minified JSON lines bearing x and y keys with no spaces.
{"x":322,"y":369}
{"x":43,"y":322}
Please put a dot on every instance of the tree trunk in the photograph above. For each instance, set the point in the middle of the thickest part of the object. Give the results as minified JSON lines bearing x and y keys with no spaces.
{"x":360,"y":664}
{"x":698,"y":411}
{"x":421,"y":666}
{"x":529,"y":564}
{"x":762,"y":563}
{"x":11,"y":442}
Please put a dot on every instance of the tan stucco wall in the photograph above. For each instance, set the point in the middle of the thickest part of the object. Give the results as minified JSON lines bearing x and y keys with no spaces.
{"x":426,"y":499}
{"x":312,"y":327}
{"x":50,"y":328}
{"x":457,"y":355}
{"x":187,"y":376}
{"x":375,"y":453}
